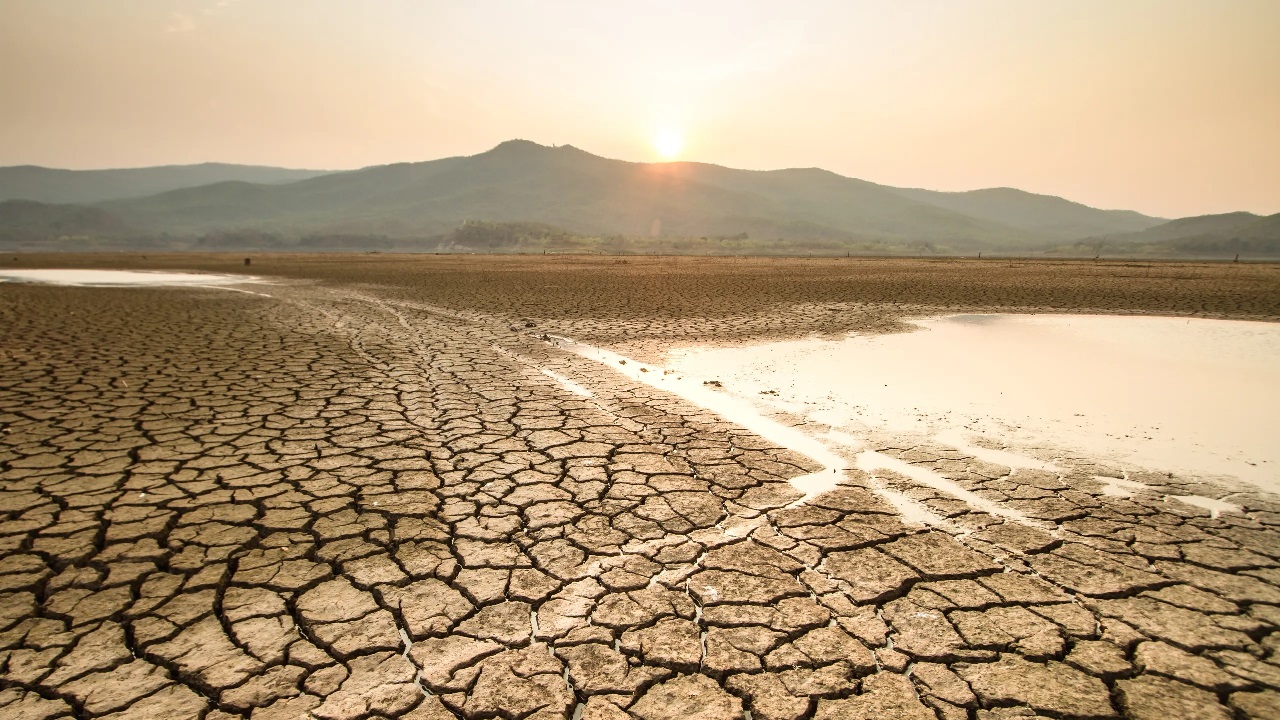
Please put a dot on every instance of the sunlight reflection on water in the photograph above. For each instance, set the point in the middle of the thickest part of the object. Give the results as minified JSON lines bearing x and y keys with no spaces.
{"x":1171,"y":394}
{"x":113,"y":278}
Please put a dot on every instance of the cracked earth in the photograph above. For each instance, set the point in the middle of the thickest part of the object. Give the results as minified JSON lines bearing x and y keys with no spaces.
{"x":334,"y":500}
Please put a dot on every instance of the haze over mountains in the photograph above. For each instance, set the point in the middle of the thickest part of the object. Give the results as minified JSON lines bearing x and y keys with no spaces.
{"x":522,"y":196}
{"x":1209,"y":235}
{"x":50,"y":185}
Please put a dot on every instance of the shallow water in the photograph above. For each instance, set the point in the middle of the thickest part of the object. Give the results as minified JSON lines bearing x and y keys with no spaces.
{"x":1187,"y":396}
{"x":119,"y":278}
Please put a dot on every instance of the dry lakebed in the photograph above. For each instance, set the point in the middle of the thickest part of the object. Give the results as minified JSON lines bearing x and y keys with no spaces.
{"x":604,"y":488}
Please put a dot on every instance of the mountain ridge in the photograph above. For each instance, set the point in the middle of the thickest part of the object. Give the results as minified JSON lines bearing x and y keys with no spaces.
{"x":579,"y":193}
{"x":1045,"y":214}
{"x":1221,"y":234}
{"x":59,"y":186}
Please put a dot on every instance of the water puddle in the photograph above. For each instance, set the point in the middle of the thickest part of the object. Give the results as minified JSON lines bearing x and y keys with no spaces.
{"x":129,"y":278}
{"x":871,"y":461}
{"x":1215,"y":507}
{"x":962,"y":440}
{"x":1188,"y":396}
{"x":1196,"y":397}
{"x":912,"y":511}
{"x":1116,"y":487}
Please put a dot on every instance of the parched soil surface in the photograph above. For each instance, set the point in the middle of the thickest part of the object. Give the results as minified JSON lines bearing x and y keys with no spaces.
{"x":362,"y":496}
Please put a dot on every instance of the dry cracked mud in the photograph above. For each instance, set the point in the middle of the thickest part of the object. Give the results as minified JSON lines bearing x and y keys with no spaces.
{"x":361,"y":496}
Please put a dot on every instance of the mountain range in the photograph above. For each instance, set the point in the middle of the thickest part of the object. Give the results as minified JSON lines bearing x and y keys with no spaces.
{"x":51,"y":185}
{"x":558,"y":192}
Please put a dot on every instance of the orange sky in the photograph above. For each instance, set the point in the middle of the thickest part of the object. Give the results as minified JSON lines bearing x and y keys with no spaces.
{"x":1168,"y":107}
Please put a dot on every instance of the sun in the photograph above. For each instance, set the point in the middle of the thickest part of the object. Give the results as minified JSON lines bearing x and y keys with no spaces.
{"x":668,"y":143}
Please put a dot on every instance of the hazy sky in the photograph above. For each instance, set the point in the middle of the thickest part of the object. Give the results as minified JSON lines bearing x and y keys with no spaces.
{"x":1163,"y":106}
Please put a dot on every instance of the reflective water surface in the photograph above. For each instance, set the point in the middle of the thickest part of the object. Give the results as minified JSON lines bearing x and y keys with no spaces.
{"x":111,"y":278}
{"x":1190,"y":396}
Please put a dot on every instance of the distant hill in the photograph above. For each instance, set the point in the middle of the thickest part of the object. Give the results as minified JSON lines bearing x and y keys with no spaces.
{"x":49,"y":185}
{"x":1201,"y":226}
{"x":1045,"y":215}
{"x":564,"y":187}
{"x":521,"y":195}
{"x":1208,"y":236}
{"x":24,"y":217}
{"x":1213,"y":235}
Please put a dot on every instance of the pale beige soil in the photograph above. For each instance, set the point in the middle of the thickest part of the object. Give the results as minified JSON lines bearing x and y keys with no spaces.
{"x":360,"y":497}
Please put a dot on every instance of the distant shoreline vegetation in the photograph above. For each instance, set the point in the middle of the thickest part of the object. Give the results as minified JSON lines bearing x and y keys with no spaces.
{"x":521,"y":238}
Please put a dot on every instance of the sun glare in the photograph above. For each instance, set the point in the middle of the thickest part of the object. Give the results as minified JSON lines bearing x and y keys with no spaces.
{"x":668,"y":143}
